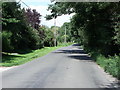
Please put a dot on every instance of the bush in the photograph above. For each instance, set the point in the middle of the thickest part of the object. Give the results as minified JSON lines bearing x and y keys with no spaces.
{"x":49,"y":38}
{"x":6,"y":41}
{"x":110,"y":64}
{"x":34,"y":40}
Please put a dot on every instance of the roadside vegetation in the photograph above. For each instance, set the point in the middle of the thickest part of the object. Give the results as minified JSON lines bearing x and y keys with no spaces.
{"x":110,"y":64}
{"x":96,"y":27}
{"x":23,"y":37}
{"x":13,"y":59}
{"x":17,"y":59}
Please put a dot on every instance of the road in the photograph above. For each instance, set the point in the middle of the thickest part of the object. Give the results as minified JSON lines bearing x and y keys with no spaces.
{"x":67,"y":67}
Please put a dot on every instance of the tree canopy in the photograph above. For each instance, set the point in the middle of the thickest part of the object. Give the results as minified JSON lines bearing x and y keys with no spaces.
{"x":94,"y":25}
{"x":21,"y":29}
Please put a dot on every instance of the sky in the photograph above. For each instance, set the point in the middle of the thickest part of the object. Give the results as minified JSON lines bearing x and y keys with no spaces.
{"x":41,"y":6}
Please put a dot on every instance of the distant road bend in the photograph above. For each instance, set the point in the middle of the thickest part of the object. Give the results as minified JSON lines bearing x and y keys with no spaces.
{"x":67,"y":67}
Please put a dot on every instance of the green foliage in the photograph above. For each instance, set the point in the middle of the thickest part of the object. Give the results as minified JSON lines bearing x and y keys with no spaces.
{"x":13,"y":60}
{"x":58,"y":9}
{"x":13,"y":21}
{"x":93,"y":25}
{"x":48,"y":36}
{"x":54,"y":30}
{"x":110,"y":65}
{"x":6,"y":41}
{"x":11,"y":14}
{"x":23,"y":35}
{"x":49,"y":39}
{"x":34,"y":41}
{"x":117,"y":31}
{"x":10,"y":20}
{"x":65,"y":28}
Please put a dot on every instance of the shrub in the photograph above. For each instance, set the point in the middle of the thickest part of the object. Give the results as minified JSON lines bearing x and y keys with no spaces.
{"x":34,"y":40}
{"x":6,"y":41}
{"x":49,"y":38}
{"x":110,"y":64}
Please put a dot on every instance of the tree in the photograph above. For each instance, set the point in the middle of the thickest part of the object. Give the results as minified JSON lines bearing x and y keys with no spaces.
{"x":92,"y":25}
{"x":23,"y":36}
{"x":33,"y":18}
{"x":55,"y":29}
{"x":6,"y":41}
{"x":48,"y":36}
{"x":64,"y":33}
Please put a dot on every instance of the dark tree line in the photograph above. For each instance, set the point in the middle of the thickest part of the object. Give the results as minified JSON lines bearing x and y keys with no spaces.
{"x":21,"y":29}
{"x":95,"y":25}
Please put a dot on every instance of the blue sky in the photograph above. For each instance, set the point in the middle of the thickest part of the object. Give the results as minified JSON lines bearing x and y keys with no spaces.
{"x":38,"y":2}
{"x":41,"y":6}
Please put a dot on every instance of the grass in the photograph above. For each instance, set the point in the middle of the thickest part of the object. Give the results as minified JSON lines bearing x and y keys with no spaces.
{"x":110,"y":64}
{"x":65,"y":44}
{"x":13,"y":60}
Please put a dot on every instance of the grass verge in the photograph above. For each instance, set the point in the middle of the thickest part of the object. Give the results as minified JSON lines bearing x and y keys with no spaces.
{"x":13,"y":60}
{"x":110,"y":64}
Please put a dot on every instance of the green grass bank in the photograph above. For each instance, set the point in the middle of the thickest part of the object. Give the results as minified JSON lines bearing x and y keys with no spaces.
{"x":13,"y":60}
{"x":110,"y":64}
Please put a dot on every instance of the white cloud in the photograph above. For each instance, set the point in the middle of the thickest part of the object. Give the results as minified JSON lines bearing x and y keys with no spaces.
{"x":43,"y":11}
{"x":35,"y":0}
{"x":41,"y":6}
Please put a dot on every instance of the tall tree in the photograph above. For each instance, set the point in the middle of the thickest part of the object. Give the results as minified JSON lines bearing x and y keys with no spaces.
{"x":93,"y":24}
{"x":33,"y":18}
{"x":64,"y":33}
{"x":13,"y":20}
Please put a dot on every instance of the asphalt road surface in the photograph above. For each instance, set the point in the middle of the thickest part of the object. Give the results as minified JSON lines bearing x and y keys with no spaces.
{"x":67,"y":67}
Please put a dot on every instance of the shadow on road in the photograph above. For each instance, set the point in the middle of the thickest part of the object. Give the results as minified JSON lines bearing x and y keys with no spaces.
{"x":78,"y":54}
{"x":76,"y":45}
{"x":81,"y":57}
{"x":71,"y":51}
